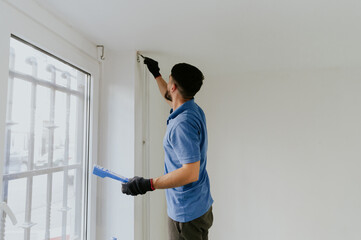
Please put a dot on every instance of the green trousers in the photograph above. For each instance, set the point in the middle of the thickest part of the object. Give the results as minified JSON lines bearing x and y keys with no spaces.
{"x":196,"y":229}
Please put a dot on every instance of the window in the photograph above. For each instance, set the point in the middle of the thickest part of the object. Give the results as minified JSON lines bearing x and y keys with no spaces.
{"x":46,"y":161}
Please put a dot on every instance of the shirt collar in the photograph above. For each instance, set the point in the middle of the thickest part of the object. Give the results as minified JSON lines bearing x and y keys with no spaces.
{"x":180,"y":109}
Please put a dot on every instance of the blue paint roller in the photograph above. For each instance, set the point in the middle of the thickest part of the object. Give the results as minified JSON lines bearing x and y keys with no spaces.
{"x":103,"y":172}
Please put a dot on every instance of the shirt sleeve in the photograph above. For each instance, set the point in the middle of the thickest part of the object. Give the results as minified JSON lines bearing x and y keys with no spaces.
{"x":185,"y":141}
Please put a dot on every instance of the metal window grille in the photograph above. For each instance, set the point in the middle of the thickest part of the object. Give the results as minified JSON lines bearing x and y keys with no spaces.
{"x":44,"y":178}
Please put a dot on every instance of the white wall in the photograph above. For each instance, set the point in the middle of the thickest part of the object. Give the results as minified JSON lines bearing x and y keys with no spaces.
{"x":120,"y":147}
{"x":159,"y":112}
{"x":284,"y":154}
{"x":156,"y":215}
{"x":115,"y":211}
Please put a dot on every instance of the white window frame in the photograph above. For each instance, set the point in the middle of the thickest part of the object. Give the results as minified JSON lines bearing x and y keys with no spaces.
{"x":13,"y":20}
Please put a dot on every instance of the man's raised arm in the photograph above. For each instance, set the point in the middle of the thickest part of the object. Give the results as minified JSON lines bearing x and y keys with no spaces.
{"x":154,"y":69}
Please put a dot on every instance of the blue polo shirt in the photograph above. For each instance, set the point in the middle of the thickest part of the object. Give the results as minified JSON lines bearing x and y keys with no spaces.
{"x":185,"y":142}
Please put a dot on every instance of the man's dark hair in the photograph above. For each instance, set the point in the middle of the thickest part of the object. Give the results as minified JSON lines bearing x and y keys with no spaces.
{"x":188,"y":79}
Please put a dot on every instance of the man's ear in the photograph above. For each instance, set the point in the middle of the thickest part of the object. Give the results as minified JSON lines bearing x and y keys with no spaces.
{"x":174,"y":87}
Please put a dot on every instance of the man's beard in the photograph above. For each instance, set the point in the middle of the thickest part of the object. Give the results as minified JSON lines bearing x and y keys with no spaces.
{"x":168,"y":96}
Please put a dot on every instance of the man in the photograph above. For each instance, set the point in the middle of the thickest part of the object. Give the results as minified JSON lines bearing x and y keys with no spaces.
{"x":185,"y":144}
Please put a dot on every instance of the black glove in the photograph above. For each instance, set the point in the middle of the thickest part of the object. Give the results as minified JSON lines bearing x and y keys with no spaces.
{"x":137,"y":185}
{"x":152,"y":66}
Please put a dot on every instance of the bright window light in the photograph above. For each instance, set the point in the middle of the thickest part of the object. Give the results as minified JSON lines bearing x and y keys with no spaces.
{"x":45,"y":169}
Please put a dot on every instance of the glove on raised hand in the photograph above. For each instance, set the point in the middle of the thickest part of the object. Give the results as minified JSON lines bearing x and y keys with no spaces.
{"x":137,"y":185}
{"x":152,"y":66}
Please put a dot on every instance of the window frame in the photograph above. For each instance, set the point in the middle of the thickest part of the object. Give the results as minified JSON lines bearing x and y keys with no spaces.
{"x":30,"y":30}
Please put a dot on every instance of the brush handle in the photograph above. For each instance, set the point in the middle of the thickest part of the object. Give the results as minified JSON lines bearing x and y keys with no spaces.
{"x":117,"y":177}
{"x":103,"y":172}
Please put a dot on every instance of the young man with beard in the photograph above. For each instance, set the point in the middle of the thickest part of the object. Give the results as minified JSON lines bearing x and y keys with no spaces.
{"x":185,"y":143}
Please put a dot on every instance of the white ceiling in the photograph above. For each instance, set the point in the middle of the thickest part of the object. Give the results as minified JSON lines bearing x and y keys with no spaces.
{"x":246,"y":34}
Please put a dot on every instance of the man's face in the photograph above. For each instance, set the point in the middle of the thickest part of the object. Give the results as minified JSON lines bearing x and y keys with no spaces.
{"x":167,"y":94}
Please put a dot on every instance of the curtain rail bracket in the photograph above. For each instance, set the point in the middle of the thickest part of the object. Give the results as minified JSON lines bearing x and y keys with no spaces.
{"x":102,"y":57}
